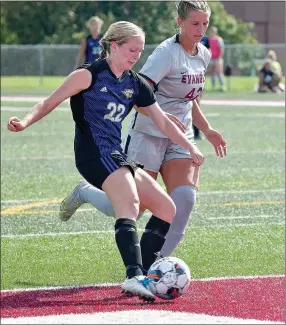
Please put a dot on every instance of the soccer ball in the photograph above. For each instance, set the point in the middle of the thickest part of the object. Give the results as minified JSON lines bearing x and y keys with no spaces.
{"x":169,"y":278}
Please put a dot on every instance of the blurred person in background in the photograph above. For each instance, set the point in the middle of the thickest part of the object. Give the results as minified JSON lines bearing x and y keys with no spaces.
{"x":216,"y":46}
{"x":265,"y":76}
{"x":269,"y":79}
{"x":90,"y":47}
{"x":270,"y":76}
{"x":102,"y":94}
{"x":176,"y":71}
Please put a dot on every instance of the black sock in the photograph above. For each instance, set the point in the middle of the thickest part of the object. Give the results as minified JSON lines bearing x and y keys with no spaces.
{"x":152,"y":240}
{"x":128,"y":244}
{"x":196,"y":131}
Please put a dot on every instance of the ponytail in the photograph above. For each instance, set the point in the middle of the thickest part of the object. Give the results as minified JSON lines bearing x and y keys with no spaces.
{"x":103,"y":54}
{"x":105,"y":48}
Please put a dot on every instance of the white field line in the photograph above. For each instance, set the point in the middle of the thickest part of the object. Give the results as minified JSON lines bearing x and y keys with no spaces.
{"x":243,"y":217}
{"x":200,"y":193}
{"x":135,"y":317}
{"x":92,"y":285}
{"x":214,"y":102}
{"x":27,"y":99}
{"x":55,"y":234}
{"x":252,"y":103}
{"x":26,"y":109}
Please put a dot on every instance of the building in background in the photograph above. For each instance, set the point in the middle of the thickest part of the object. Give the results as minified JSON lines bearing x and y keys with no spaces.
{"x":268,"y":18}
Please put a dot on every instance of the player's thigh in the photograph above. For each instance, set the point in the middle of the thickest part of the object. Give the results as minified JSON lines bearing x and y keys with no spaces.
{"x":153,"y":197}
{"x":178,"y":172}
{"x":154,"y":176}
{"x":177,"y":168}
{"x":120,"y":188}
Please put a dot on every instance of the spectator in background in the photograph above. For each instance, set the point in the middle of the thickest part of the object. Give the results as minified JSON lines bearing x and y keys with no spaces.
{"x":275,"y":67}
{"x":90,"y":46}
{"x":216,"y":46}
{"x":270,"y":78}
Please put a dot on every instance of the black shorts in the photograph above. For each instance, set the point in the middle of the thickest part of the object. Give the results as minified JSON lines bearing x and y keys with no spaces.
{"x":97,"y":170}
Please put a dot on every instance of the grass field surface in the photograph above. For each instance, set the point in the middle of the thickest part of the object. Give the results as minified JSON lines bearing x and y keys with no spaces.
{"x":237,"y":227}
{"x":240,"y":87}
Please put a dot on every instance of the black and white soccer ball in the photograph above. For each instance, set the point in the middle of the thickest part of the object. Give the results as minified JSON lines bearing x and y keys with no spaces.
{"x":169,"y":278}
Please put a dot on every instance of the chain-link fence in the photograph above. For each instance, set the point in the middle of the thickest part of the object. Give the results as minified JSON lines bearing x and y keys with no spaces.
{"x":59,"y":60}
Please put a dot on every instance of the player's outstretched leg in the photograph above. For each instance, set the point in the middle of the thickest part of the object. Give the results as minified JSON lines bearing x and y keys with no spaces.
{"x":85,"y":193}
{"x":71,"y":203}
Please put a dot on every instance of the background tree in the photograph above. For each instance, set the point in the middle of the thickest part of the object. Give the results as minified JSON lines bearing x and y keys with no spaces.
{"x":45,"y":22}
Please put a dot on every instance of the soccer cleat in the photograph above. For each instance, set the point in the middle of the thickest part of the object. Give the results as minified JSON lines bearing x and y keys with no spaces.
{"x":71,"y":203}
{"x":138,"y":286}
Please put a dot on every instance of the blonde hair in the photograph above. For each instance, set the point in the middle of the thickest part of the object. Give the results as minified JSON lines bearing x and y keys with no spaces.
{"x":119,"y":32}
{"x":184,"y":7}
{"x":94,"y":19}
{"x":272,"y":55}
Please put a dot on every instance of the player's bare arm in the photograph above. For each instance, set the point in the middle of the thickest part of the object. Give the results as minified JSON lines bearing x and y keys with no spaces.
{"x":213,"y":136}
{"x":172,"y":117}
{"x":81,"y":52}
{"x":73,"y":84}
{"x":199,"y":118}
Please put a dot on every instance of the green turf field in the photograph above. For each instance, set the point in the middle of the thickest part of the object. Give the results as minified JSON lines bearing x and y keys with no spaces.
{"x":240,"y":87}
{"x":237,"y":227}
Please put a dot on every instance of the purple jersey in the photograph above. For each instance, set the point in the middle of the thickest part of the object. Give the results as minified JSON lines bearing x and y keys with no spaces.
{"x":93,"y":48}
{"x":99,"y":110}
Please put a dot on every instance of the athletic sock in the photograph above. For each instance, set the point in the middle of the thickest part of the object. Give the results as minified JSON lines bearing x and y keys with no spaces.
{"x":98,"y":198}
{"x":184,"y":198}
{"x":152,"y":240}
{"x":128,"y":245}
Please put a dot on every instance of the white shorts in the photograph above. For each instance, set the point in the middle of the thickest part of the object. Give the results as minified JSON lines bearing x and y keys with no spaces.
{"x":151,"y":151}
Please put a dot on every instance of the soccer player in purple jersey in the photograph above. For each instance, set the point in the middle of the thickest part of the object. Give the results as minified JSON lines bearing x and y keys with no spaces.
{"x":176,"y":70}
{"x":90,"y":47}
{"x":102,"y":94}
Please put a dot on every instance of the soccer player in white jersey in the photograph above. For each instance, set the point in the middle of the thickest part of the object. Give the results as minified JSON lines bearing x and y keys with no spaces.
{"x":176,"y":70}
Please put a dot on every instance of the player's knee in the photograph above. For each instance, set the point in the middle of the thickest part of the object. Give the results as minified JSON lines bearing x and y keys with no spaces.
{"x":184,"y":193}
{"x":129,"y":207}
{"x":134,"y":205}
{"x":184,"y":198}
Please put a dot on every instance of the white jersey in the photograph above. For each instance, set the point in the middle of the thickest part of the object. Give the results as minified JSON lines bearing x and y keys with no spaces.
{"x":179,"y":78}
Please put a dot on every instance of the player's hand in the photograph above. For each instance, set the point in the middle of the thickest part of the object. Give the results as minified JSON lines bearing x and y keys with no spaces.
{"x":196,"y":156}
{"x":175,"y":120}
{"x":218,"y":142}
{"x":15,"y":124}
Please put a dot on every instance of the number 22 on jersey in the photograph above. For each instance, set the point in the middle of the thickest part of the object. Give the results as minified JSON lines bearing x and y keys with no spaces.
{"x":116,"y":112}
